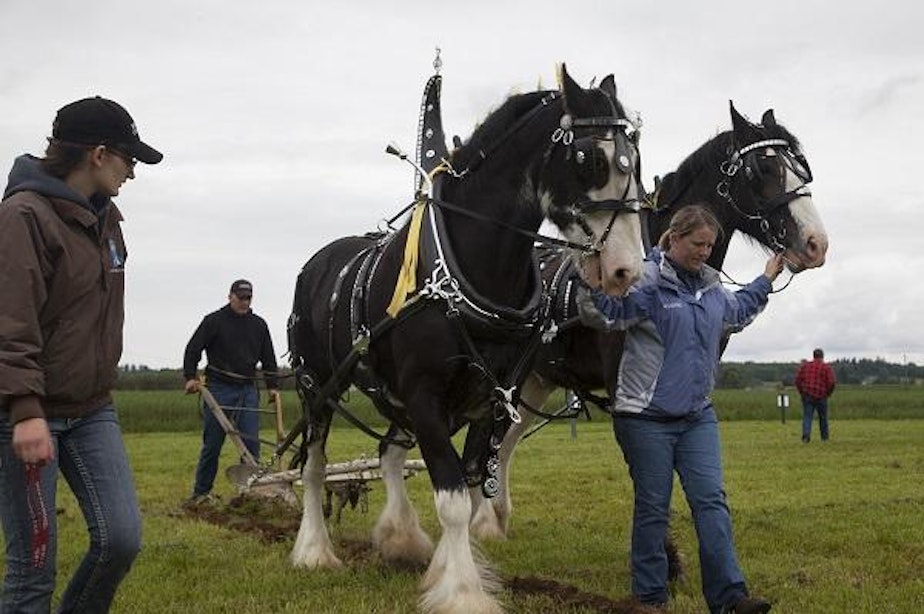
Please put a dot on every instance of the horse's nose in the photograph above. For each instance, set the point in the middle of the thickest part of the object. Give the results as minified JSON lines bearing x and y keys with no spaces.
{"x":816,"y":246}
{"x":619,"y":282}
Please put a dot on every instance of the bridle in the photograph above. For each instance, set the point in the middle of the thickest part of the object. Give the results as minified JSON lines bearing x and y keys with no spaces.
{"x":587,"y":155}
{"x":746,"y":159}
{"x":584,"y":152}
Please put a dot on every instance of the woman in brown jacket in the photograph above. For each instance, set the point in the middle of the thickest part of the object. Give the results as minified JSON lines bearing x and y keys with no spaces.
{"x":62,"y":266}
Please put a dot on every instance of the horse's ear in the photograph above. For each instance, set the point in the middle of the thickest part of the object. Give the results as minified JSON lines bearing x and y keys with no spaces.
{"x":569,"y":88}
{"x":740,"y":125}
{"x":768,"y":120}
{"x":608,"y":85}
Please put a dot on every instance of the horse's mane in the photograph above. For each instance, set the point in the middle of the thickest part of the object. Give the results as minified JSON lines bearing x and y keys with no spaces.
{"x":495,"y":125}
{"x":706,"y":160}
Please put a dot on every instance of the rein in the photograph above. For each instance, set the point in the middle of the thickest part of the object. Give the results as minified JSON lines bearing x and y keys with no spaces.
{"x":733,"y":282}
{"x":482,"y":154}
{"x":728,"y":278}
{"x":535,"y":236}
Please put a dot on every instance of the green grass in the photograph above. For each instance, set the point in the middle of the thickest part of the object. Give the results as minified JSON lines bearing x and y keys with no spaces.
{"x":820,"y":528}
{"x":154,"y":411}
{"x":848,"y":403}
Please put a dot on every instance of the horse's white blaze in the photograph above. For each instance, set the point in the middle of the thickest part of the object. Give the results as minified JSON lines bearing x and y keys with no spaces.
{"x":813,"y":240}
{"x":455,"y":582}
{"x":313,"y":547}
{"x":621,"y":258}
{"x":397,"y":533}
{"x":492,"y":516}
{"x":620,"y":261}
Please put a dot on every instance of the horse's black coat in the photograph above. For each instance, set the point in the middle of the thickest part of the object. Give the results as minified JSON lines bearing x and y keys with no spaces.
{"x":419,"y":369}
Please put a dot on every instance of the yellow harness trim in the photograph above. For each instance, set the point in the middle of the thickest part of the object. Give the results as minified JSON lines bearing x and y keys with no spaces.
{"x":407,"y":276}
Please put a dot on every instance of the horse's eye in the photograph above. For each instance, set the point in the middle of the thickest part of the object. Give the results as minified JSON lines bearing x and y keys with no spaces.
{"x":591,"y":163}
{"x":761,"y":169}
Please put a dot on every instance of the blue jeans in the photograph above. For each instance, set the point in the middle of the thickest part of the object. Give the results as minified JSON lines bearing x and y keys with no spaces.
{"x":689,"y":446}
{"x":247,"y":422}
{"x":89,"y":453}
{"x":809,"y":407}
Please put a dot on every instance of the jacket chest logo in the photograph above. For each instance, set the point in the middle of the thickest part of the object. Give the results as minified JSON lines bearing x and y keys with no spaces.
{"x":116,"y":260}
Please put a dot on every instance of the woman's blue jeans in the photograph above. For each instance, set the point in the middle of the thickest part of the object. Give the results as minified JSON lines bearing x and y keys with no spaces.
{"x":90,"y":454}
{"x":246,"y":421}
{"x":689,"y":446}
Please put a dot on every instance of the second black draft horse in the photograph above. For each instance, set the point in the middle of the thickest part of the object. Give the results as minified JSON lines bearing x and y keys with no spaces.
{"x":450,"y":345}
{"x":754,"y":179}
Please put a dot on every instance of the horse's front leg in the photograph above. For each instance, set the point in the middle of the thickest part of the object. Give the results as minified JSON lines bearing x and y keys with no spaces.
{"x":456,"y":582}
{"x":397,"y":533}
{"x":313,"y":547}
{"x":491,"y":519}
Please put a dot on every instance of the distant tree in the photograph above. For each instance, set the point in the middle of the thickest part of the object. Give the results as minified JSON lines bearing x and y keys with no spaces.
{"x":847,"y":371}
{"x":730,"y":377}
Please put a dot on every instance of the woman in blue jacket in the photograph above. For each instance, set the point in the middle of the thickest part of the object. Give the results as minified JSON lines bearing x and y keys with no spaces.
{"x":676,"y":317}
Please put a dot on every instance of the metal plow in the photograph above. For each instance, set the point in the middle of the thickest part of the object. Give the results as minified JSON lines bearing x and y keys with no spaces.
{"x":348,"y":481}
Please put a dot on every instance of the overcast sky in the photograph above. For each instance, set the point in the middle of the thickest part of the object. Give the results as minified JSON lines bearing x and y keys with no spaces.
{"x":273,"y":117}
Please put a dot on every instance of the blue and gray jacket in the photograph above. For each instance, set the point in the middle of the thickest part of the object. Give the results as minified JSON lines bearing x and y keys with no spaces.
{"x":675,"y":323}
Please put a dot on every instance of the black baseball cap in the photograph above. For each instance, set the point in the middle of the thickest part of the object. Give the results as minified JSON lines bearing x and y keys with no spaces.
{"x":99,"y":121}
{"x":241,"y":287}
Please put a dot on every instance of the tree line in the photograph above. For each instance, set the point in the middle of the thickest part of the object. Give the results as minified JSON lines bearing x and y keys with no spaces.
{"x":731,"y":374}
{"x":141,"y":377}
{"x":846,"y":370}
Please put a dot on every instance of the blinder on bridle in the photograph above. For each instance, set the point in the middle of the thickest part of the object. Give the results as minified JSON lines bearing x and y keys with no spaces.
{"x":593,"y":168}
{"x":769,"y":192}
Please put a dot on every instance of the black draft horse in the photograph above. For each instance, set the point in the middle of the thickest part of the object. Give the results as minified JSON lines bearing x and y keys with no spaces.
{"x":453,"y":353}
{"x":754,"y":179}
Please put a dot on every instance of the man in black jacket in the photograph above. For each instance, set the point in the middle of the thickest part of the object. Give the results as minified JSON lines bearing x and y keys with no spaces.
{"x":235,"y":339}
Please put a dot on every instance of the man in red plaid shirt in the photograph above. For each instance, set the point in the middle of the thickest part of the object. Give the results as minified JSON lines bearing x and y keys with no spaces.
{"x":815,"y":382}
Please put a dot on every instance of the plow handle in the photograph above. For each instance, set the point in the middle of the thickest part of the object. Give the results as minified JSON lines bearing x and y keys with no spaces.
{"x":227,"y":426}
{"x":280,"y":429}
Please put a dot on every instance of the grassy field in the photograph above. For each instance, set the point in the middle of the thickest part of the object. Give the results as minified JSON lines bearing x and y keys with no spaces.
{"x":820,"y":528}
{"x":168,"y":411}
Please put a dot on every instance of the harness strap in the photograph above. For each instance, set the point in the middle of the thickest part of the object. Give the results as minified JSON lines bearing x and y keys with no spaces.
{"x":535,"y":236}
{"x":343,"y":370}
{"x":482,"y":154}
{"x":336,"y":295}
{"x":570,"y":412}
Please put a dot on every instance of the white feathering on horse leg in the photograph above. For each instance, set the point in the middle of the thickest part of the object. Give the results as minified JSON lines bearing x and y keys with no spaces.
{"x":397,"y":533}
{"x":458,"y":581}
{"x":313,"y":548}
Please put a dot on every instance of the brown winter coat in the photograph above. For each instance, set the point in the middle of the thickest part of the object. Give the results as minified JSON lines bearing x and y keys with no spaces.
{"x":62,"y":276}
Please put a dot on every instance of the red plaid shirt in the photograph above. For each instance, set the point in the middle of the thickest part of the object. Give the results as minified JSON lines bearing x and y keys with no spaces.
{"x":815,"y":379}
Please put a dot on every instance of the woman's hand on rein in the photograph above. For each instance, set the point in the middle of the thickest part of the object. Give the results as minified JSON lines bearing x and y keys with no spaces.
{"x":774,"y":267}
